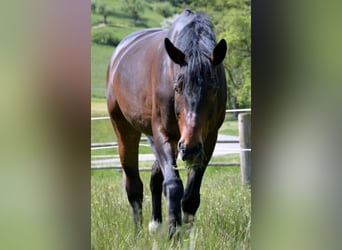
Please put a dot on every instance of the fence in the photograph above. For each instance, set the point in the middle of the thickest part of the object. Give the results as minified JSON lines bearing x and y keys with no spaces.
{"x":227,"y":111}
{"x":244,"y":124}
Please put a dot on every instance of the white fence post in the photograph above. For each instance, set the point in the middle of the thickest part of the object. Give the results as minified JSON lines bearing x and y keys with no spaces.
{"x":245,"y":144}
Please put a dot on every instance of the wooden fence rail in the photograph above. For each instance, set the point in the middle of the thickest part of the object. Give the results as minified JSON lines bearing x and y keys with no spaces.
{"x":103,"y":145}
{"x":244,"y":123}
{"x":227,"y":111}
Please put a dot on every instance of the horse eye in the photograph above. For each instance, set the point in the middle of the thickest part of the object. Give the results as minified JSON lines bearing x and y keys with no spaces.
{"x":177,"y":111}
{"x":178,"y":84}
{"x":178,"y":87}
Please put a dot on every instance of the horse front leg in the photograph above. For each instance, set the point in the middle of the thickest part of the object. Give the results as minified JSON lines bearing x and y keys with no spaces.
{"x":191,"y":197}
{"x":173,"y":190}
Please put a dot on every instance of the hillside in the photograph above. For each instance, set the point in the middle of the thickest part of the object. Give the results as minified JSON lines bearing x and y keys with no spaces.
{"x":120,"y":25}
{"x":113,"y":20}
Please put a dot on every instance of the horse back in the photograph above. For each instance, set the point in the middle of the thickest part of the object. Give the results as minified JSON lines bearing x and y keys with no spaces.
{"x":131,"y":74}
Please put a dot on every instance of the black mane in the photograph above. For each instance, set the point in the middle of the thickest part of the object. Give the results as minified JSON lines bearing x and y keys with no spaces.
{"x":197,"y":36}
{"x":197,"y":41}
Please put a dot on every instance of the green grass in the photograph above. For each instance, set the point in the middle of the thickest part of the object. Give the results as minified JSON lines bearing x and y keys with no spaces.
{"x":229,"y":127}
{"x":122,"y":25}
{"x":98,"y":107}
{"x":148,"y":18}
{"x":222,"y":221}
{"x":100,"y":56}
{"x":102,"y":131}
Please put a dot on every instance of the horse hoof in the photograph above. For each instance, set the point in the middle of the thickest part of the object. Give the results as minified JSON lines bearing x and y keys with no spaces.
{"x":172,"y":232}
{"x":153,"y":226}
{"x":188,"y":218}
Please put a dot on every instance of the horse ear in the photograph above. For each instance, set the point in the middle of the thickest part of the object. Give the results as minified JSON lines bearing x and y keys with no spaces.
{"x":219,"y":52}
{"x":174,"y":53}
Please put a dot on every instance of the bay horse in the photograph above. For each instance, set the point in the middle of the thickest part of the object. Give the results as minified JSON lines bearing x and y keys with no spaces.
{"x":170,"y":85}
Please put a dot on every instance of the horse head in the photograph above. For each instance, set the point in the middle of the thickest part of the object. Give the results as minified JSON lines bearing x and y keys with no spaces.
{"x":196,"y":86}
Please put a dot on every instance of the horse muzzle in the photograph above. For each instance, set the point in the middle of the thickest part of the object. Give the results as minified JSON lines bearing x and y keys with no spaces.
{"x":193,"y":154}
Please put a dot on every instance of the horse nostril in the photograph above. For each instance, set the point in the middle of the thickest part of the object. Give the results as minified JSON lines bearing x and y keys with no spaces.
{"x":190,"y":152}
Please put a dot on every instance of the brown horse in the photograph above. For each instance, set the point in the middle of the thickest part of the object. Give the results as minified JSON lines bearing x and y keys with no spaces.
{"x":170,"y":85}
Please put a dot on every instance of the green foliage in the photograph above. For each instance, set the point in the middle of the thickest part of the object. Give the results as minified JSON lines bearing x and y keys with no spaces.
{"x":105,"y":36}
{"x":235,"y":27}
{"x":93,"y":6}
{"x":104,"y":10}
{"x":232,"y":21}
{"x":164,"y":8}
{"x":167,"y":22}
{"x":134,"y":8}
{"x":239,"y":55}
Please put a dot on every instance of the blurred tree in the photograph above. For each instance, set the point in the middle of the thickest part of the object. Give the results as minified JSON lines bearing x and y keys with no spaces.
{"x":93,"y":6}
{"x":232,"y":21}
{"x":164,"y":8}
{"x":104,"y":10}
{"x":134,"y":8}
{"x":234,"y":25}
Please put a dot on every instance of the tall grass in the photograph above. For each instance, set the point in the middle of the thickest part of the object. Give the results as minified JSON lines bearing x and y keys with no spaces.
{"x":121,"y":25}
{"x":222,"y":221}
{"x":100,"y":56}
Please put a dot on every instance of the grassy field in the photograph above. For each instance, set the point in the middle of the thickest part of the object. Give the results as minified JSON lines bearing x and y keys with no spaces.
{"x":222,"y":222}
{"x":100,"y":56}
{"x":122,"y":25}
